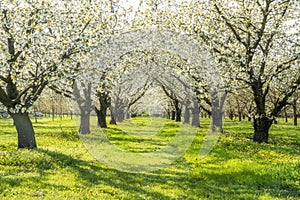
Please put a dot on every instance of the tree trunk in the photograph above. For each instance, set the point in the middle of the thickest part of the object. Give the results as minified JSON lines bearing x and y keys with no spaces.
{"x":286,"y":115}
{"x":178,"y":115}
{"x":120,"y":116}
{"x":240,"y":116}
{"x":196,"y":118}
{"x":186,"y":115}
{"x":127,"y":113}
{"x":261,"y":129}
{"x":26,"y":136}
{"x":261,"y":123}
{"x":173,"y":115}
{"x":84,"y":124}
{"x":295,"y":112}
{"x":196,"y":115}
{"x":53,"y":112}
{"x":217,"y":121}
{"x":217,"y":111}
{"x":84,"y":103}
{"x":112,"y":120}
{"x":101,"y":115}
{"x":168,"y":114}
{"x":249,"y":119}
{"x":177,"y":111}
{"x":239,"y":110}
{"x":230,"y":115}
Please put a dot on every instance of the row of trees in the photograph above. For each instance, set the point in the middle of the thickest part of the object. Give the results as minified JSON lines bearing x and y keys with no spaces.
{"x":189,"y":49}
{"x":240,"y":105}
{"x":256,"y":44}
{"x":40,"y":43}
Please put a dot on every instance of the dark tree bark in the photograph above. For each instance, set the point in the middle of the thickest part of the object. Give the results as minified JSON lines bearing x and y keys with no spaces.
{"x":26,"y":135}
{"x":261,"y":123}
{"x":177,"y":110}
{"x":104,"y":101}
{"x":178,"y":115}
{"x":286,"y":115}
{"x":249,"y":119}
{"x":53,"y":112}
{"x":239,"y":109}
{"x":250,"y":109}
{"x":240,"y":116}
{"x":173,"y":115}
{"x":295,"y":116}
{"x":101,"y":116}
{"x":261,"y":129}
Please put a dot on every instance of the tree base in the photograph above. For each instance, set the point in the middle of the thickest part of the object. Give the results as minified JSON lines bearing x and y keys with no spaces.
{"x":26,"y":136}
{"x":261,"y":129}
{"x":84,"y":124}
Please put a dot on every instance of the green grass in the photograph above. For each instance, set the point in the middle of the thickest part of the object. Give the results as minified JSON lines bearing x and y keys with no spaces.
{"x":237,"y":168}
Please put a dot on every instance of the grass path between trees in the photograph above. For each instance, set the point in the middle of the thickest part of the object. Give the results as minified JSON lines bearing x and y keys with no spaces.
{"x":237,"y":168}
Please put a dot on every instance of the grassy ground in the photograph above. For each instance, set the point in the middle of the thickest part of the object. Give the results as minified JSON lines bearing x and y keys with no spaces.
{"x":237,"y":168}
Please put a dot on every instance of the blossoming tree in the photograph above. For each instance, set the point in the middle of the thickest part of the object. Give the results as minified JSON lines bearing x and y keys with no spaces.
{"x":41,"y":42}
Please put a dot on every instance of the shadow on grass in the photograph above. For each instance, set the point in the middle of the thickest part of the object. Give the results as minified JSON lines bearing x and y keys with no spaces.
{"x":243,"y":184}
{"x":208,"y":182}
{"x":197,"y":179}
{"x":200,"y":181}
{"x":137,"y":144}
{"x":90,"y":174}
